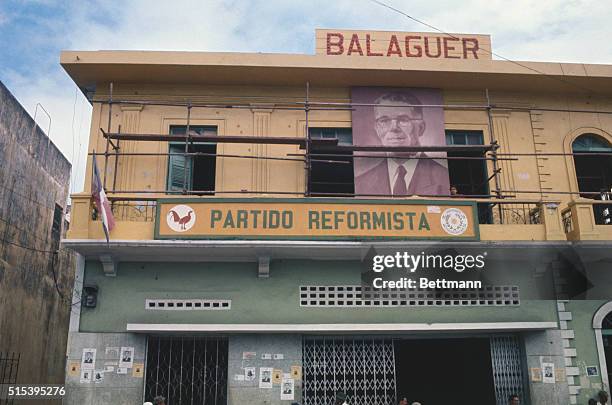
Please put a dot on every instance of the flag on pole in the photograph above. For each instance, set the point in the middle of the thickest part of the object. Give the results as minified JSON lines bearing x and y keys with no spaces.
{"x":102,"y":203}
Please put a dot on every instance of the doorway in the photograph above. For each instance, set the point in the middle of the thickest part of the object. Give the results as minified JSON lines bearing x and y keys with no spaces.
{"x":445,"y":371}
{"x":377,"y":370}
{"x":187,"y":370}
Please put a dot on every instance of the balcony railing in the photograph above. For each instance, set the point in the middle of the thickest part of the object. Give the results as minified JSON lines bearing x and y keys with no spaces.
{"x":130,"y":210}
{"x":490,"y":212}
{"x":136,"y":216}
{"x":137,"y":211}
{"x":509,"y":213}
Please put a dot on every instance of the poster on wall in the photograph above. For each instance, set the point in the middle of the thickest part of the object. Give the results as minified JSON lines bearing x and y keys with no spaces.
{"x":127,"y":357}
{"x":399,"y":117}
{"x":548,"y":373}
{"x":249,"y":373}
{"x":592,"y":371}
{"x":287,"y":389}
{"x":249,"y":355}
{"x":86,"y":376}
{"x":536,"y":374}
{"x":265,"y":377}
{"x":296,"y":372}
{"x":98,"y":376}
{"x":74,"y":367}
{"x":111,"y":354}
{"x":88,"y":360}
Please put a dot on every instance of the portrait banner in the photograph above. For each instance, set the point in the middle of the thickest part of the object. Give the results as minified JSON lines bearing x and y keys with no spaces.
{"x":399,"y":117}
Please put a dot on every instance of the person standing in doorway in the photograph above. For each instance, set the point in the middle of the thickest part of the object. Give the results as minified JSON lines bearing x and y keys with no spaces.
{"x":514,"y":399}
{"x":159,"y":400}
{"x":603,"y":397}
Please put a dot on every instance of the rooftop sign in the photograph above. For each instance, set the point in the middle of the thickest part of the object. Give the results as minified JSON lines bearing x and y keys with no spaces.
{"x":402,"y":45}
{"x":257,"y":218}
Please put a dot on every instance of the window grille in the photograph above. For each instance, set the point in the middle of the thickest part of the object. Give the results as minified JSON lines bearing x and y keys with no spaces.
{"x":188,"y":305}
{"x":187,"y":370}
{"x":357,"y":296}
{"x":9,"y":367}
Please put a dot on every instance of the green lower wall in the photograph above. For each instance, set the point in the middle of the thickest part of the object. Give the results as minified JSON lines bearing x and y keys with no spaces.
{"x":121,"y":299}
{"x":585,"y":345}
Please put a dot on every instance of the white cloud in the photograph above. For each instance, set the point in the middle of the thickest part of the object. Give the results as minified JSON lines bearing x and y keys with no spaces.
{"x":57,"y":97}
{"x":549,"y":30}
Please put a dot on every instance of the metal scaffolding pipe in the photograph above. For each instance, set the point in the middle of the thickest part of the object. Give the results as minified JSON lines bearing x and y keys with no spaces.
{"x":512,"y":193}
{"x":347,"y":105}
{"x":414,"y":157}
{"x":271,"y":140}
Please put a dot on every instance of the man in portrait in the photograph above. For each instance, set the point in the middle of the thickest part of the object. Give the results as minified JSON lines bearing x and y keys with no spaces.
{"x":399,"y":120}
{"x":127,"y":356}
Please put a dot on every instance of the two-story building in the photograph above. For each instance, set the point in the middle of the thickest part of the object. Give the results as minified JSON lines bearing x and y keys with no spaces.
{"x":252,"y":192}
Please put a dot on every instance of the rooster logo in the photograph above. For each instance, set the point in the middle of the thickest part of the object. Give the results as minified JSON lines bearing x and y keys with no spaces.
{"x":181,"y":218}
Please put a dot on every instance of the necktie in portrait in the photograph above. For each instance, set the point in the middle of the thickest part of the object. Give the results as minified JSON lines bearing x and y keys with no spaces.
{"x":399,"y":188}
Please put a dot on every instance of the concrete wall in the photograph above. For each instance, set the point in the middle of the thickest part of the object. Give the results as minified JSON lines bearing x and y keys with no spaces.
{"x":242,"y":392}
{"x":583,"y":343}
{"x":121,"y":299}
{"x":34,"y":315}
{"x":546,"y":347}
{"x":116,"y":389}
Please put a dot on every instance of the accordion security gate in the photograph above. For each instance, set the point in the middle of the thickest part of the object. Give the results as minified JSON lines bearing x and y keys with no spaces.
{"x":187,"y":370}
{"x":364,"y":369}
{"x":507,"y":362}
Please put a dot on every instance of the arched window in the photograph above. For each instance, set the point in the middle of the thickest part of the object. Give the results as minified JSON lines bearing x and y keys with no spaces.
{"x":606,"y":331}
{"x":591,"y":143}
{"x":594,"y":172}
{"x":607,"y":323}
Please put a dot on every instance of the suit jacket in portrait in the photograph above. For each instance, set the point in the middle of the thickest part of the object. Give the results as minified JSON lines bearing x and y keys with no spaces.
{"x":429,"y":178}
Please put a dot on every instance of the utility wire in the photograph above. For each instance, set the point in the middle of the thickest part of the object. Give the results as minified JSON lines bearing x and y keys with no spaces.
{"x":27,"y":198}
{"x":30,"y":248}
{"x":380,"y":3}
{"x":29,"y":233}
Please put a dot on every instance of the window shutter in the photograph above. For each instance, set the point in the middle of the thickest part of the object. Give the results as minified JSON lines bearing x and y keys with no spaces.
{"x":176,"y":170}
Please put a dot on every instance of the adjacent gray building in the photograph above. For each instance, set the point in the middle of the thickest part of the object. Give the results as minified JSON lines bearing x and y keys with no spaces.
{"x":36,"y":275}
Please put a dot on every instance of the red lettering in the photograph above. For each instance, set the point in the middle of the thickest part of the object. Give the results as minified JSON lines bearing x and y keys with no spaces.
{"x":369,"y":47}
{"x":354,"y":46}
{"x":394,"y":44}
{"x":474,"y":49}
{"x":416,"y":47}
{"x":449,"y":48}
{"x":437,"y":45}
{"x":339,"y":44}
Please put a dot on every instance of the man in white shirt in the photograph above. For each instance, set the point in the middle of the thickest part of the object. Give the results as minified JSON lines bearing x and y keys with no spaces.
{"x":399,"y":122}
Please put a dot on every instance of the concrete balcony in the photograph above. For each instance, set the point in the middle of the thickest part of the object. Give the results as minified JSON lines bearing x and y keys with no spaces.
{"x":579,"y":221}
{"x":499,"y":220}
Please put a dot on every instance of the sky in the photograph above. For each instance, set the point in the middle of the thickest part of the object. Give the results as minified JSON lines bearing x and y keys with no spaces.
{"x":33,"y":32}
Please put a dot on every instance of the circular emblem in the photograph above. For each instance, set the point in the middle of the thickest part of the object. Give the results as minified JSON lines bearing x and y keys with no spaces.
{"x":181,"y":218}
{"x":454,"y":221}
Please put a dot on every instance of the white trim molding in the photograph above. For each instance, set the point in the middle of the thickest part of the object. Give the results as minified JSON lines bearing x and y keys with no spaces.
{"x":338,"y":327}
{"x":598,"y":318}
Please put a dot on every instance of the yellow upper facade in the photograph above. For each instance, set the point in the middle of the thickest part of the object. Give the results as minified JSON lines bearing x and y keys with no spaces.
{"x":533,"y":111}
